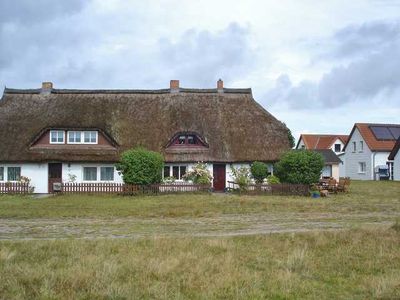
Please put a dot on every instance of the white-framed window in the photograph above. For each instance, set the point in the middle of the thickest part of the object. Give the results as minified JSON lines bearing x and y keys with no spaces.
{"x":175,"y":171}
{"x":57,"y":136}
{"x":13,"y":173}
{"x":361,"y":146}
{"x":338,"y":147}
{"x":362,"y":167}
{"x":107,"y":173}
{"x":82,"y":137}
{"x":90,"y":137}
{"x":1,"y":173}
{"x":354,"y":146}
{"x":89,"y":173}
{"x":74,"y":137}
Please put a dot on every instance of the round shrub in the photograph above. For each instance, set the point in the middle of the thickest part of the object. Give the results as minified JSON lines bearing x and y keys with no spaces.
{"x":259,"y":171}
{"x":141,"y":166}
{"x":271,"y":179}
{"x":300,"y":166}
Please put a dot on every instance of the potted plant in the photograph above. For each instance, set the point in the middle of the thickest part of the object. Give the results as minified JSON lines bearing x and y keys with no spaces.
{"x":315,"y":193}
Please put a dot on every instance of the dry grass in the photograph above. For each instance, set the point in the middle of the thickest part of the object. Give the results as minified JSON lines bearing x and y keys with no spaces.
{"x":363,"y":197}
{"x":327,"y":265}
{"x":346,"y":264}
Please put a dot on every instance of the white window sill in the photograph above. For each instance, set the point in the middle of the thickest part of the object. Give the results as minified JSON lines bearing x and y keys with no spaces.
{"x":362,"y":173}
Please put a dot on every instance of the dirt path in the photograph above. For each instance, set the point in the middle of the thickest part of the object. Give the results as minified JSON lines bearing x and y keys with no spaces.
{"x":225,"y":225}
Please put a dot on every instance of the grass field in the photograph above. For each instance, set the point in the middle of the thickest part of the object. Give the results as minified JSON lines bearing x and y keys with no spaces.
{"x":202,"y":246}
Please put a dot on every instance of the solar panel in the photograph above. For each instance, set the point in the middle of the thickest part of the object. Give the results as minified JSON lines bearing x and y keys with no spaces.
{"x":382,"y":133}
{"x":395,"y":132}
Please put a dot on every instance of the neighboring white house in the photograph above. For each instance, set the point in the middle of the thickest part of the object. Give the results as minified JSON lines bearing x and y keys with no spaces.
{"x":395,"y":157}
{"x":367,"y":150}
{"x":67,"y":135}
{"x":335,"y":143}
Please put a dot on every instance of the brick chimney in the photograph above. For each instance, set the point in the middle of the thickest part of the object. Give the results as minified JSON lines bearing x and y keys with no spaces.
{"x":46,"y":87}
{"x":174,"y":86}
{"x":220,"y":85}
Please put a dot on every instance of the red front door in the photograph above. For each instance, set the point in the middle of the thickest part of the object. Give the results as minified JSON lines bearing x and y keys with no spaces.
{"x":55,"y":174}
{"x":219,"y":177}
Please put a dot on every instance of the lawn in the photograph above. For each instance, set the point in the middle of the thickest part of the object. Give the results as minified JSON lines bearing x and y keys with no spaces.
{"x":202,"y":246}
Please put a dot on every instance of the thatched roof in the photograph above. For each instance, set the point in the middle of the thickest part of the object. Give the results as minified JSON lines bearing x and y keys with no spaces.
{"x":234,"y":126}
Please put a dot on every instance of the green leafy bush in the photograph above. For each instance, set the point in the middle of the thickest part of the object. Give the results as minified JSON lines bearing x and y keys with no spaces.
{"x":141,"y":166}
{"x":271,"y":179}
{"x":259,"y":171}
{"x":199,"y":174}
{"x":241,"y":176}
{"x":300,"y":166}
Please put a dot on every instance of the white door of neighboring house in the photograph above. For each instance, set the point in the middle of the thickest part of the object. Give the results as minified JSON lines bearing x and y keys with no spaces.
{"x":327,"y":171}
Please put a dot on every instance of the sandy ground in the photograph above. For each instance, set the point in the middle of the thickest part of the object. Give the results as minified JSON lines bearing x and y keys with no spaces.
{"x":218,"y":226}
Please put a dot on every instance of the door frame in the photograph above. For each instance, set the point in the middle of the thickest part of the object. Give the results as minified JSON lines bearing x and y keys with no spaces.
{"x":50,"y":180}
{"x":215,"y":174}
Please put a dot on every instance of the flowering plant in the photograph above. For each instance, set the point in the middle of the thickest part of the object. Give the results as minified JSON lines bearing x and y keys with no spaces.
{"x":199,"y":174}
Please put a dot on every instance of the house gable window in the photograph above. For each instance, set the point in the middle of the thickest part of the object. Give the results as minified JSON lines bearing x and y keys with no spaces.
{"x":89,"y":173}
{"x":361,"y":146}
{"x":14,"y":173}
{"x":354,"y":146}
{"x":338,"y":147}
{"x":1,"y":173}
{"x":107,"y":173}
{"x":362,"y":166}
{"x":57,"y":136}
{"x":82,"y":137}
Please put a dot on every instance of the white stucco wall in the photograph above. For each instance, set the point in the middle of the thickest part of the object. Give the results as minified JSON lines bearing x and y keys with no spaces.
{"x":228,"y":169}
{"x":37,"y":173}
{"x":371,"y":158}
{"x":301,"y":144}
{"x":353,"y":158}
{"x":338,"y":141}
{"x":342,"y":165}
{"x":396,"y":167}
{"x":77,"y":170}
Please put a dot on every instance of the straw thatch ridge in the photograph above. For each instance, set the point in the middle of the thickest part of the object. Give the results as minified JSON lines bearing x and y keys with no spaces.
{"x":235,"y":127}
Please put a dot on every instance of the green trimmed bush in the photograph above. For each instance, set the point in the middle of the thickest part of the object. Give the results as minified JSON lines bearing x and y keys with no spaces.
{"x":300,"y":166}
{"x":271,"y":179}
{"x":259,"y":171}
{"x":141,"y":166}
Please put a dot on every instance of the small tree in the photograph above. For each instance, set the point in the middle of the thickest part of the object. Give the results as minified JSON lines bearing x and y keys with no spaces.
{"x":141,"y":166}
{"x":291,"y":139}
{"x":259,"y":171}
{"x":300,"y":166}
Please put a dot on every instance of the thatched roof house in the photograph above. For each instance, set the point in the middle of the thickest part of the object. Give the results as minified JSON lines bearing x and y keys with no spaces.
{"x":228,"y":123}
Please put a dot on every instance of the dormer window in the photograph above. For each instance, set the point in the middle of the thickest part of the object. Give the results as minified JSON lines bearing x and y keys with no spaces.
{"x":82,"y":137}
{"x":188,"y":139}
{"x":57,"y":137}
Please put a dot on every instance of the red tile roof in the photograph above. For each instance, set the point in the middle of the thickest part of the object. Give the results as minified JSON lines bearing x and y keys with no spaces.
{"x":322,"y":141}
{"x":373,"y":143}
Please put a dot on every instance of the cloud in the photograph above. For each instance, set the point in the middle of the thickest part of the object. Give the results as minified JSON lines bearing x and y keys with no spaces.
{"x":372,"y":70}
{"x":199,"y":57}
{"x":28,"y":12}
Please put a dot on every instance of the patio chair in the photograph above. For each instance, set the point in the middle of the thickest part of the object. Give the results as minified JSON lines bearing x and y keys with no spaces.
{"x":341,"y":185}
{"x":332,"y":188}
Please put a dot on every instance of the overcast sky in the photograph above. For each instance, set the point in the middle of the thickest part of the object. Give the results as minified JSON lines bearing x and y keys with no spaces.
{"x":318,"y":66}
